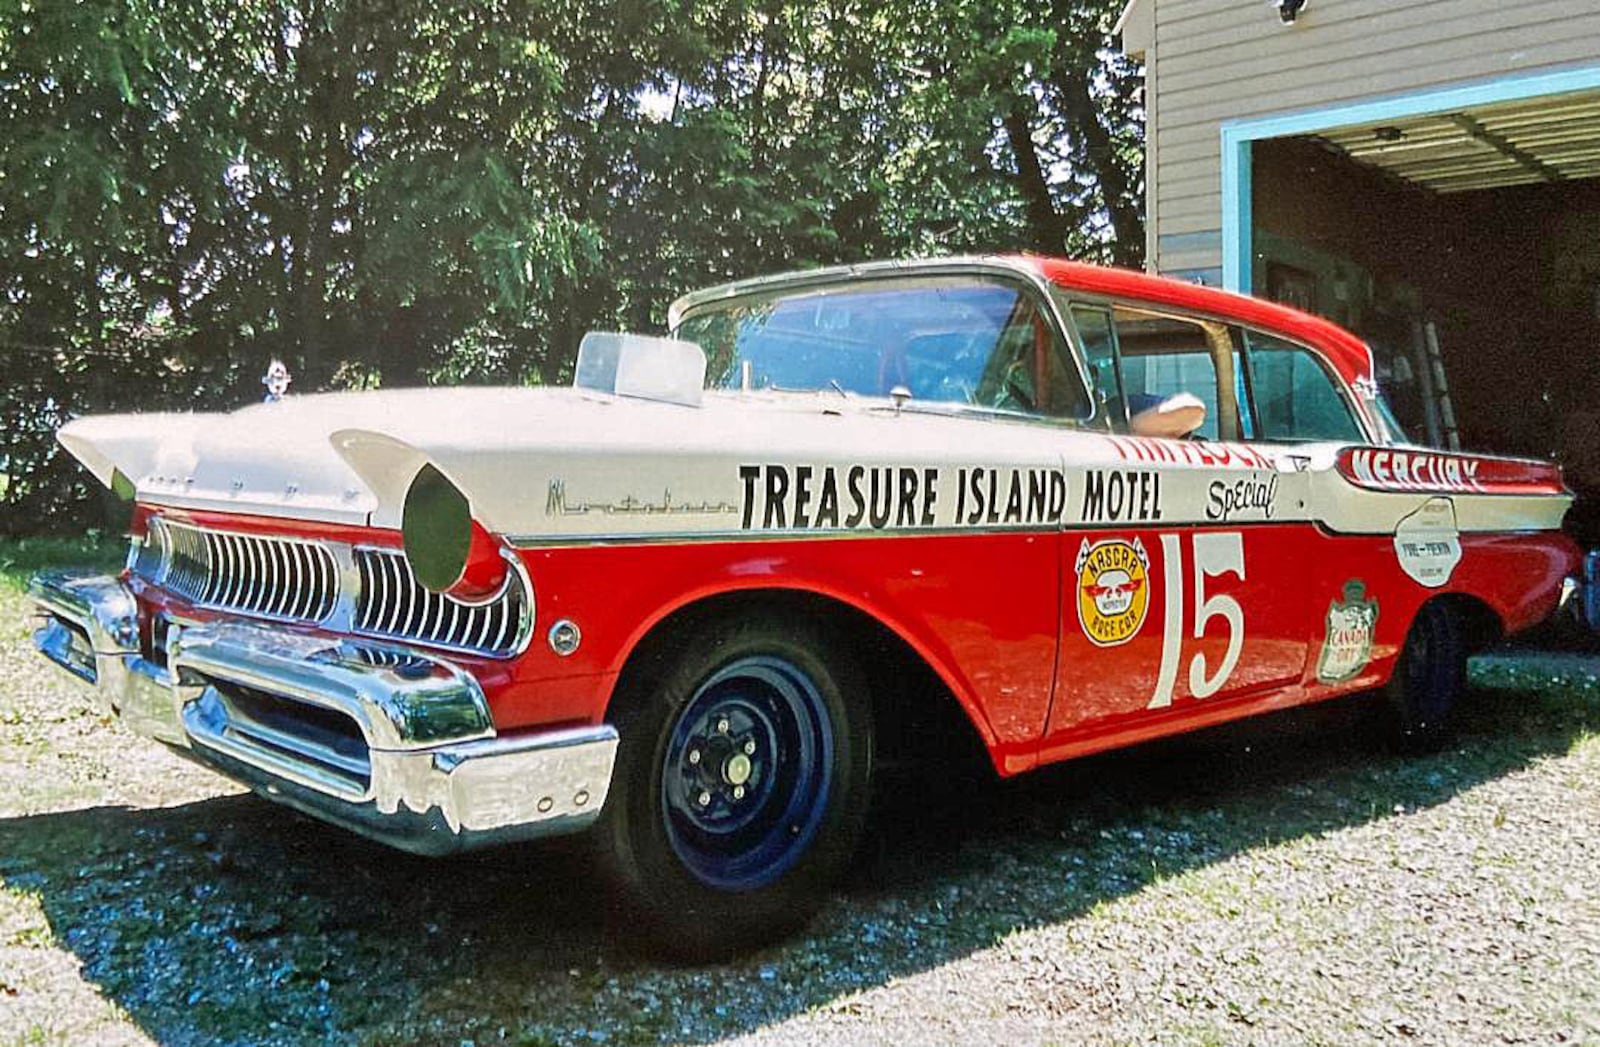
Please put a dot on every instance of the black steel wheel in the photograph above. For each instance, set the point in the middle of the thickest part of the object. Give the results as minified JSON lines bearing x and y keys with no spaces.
{"x":1429,"y":678}
{"x":740,"y":786}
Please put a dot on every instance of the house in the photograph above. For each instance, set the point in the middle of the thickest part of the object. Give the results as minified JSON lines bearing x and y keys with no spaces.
{"x":1424,"y":172}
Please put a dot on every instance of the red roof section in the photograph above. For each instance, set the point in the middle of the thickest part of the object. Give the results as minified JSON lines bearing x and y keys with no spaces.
{"x":1347,"y":353}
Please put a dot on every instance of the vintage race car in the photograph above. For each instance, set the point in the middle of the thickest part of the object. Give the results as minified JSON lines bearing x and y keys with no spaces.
{"x":688,"y":602}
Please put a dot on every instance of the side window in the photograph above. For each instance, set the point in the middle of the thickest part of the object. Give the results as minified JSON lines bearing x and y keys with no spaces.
{"x":1295,"y":396}
{"x":1163,"y":356}
{"x":1098,"y":339}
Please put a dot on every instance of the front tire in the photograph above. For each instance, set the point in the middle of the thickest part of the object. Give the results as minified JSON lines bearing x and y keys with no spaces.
{"x":740,"y":786}
{"x":1429,"y":679}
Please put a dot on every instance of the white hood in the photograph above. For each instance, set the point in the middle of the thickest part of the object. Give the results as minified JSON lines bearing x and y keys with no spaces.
{"x":349,"y":457}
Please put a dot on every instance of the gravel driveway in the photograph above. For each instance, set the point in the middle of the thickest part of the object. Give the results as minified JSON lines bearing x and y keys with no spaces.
{"x":1283,"y":881}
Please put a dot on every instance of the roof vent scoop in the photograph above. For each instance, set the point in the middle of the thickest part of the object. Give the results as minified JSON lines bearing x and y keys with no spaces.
{"x":638,"y":365}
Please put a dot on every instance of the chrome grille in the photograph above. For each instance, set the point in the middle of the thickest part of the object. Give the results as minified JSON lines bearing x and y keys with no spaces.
{"x":272,"y":577}
{"x":365,"y":590}
{"x":392,"y":603}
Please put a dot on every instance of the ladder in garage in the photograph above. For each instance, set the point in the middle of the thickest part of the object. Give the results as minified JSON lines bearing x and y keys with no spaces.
{"x":1439,"y":412}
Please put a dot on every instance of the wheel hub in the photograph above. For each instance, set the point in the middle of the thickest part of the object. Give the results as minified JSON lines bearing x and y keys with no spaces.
{"x":736,"y":769}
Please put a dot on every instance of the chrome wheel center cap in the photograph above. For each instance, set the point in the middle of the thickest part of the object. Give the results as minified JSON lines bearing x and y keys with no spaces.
{"x":736,"y":771}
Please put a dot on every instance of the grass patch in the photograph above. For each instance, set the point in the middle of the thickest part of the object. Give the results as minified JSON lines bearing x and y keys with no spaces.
{"x":21,"y":557}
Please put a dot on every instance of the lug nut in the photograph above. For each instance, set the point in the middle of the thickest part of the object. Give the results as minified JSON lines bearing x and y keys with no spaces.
{"x":694,"y":756}
{"x":723,"y":726}
{"x":738,"y":792}
{"x":750,"y":747}
{"x":704,"y":798}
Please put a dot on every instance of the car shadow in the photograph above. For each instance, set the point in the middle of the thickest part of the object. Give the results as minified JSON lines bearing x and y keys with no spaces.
{"x":234,"y":921}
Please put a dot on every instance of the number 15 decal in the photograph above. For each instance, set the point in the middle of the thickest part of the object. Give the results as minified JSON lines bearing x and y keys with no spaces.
{"x":1215,"y":554}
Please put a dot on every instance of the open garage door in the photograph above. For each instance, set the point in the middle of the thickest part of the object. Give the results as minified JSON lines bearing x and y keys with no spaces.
{"x":1479,"y":226}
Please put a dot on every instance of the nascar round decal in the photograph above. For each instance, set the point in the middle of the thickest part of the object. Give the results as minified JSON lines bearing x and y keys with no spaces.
{"x":1113,"y":590}
{"x":1347,"y":644}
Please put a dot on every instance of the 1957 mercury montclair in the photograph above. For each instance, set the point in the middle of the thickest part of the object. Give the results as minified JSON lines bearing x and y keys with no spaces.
{"x":685,"y":603}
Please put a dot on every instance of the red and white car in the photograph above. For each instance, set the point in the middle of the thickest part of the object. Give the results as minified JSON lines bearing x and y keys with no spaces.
{"x":683,"y":603}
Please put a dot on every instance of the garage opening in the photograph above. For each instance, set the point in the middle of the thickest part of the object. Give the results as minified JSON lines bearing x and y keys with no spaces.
{"x":1471,"y":236}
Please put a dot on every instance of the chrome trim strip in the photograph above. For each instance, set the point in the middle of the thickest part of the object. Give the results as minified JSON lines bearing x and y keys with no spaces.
{"x":539,"y":541}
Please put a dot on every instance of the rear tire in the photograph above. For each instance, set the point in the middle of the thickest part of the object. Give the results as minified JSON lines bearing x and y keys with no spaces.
{"x":740,"y":787}
{"x":1428,"y":679}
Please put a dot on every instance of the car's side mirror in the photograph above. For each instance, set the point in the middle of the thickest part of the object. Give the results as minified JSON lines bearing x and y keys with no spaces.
{"x":1175,"y":417}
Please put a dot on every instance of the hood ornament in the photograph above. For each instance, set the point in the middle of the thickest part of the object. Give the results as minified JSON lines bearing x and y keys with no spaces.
{"x":277,"y":381}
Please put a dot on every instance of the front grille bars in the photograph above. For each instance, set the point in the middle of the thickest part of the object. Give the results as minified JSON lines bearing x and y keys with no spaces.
{"x":365,"y":590}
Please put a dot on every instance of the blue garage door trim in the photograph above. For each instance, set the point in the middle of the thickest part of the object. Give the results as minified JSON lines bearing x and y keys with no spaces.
{"x":1237,"y":136}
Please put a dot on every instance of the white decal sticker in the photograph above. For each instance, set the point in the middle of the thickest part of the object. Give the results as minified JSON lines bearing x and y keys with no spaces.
{"x":1428,"y":544}
{"x":1347,"y":641}
{"x":1214,"y":556}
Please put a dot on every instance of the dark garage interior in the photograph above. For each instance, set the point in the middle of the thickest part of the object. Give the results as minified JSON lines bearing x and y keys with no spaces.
{"x":1485,"y":225}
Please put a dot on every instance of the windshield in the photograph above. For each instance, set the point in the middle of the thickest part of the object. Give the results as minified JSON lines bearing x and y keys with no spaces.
{"x":950,"y":340}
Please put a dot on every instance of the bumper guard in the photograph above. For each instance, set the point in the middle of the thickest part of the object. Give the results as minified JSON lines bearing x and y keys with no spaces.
{"x":393,"y":743}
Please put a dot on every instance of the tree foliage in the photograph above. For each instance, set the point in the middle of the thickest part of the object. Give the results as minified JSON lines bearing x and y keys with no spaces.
{"x":404,"y":191}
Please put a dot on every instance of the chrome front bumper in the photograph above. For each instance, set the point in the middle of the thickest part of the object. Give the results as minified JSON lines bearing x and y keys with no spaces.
{"x":390,"y":742}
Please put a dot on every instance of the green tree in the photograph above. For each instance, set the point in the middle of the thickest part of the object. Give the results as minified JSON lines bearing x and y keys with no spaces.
{"x":402,"y":191}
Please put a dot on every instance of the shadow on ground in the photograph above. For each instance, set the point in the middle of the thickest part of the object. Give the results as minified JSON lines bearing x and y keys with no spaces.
{"x":232,"y":920}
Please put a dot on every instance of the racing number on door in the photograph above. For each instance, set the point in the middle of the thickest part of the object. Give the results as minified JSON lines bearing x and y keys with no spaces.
{"x":1215,"y":554}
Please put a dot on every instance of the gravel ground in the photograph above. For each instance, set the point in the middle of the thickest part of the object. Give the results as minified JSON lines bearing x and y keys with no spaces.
{"x":1282,"y":881}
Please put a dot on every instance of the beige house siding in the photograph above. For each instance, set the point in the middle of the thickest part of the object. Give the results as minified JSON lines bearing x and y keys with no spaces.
{"x":1210,"y":61}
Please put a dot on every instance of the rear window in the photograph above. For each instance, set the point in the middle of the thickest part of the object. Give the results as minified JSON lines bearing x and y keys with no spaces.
{"x":1295,"y":396}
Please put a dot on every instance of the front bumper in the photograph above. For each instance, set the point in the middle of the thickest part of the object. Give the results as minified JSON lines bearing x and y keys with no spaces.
{"x":393,"y":743}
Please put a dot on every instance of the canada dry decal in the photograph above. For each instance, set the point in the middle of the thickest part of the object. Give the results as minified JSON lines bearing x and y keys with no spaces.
{"x":1113,"y":590}
{"x":1347,"y":643}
